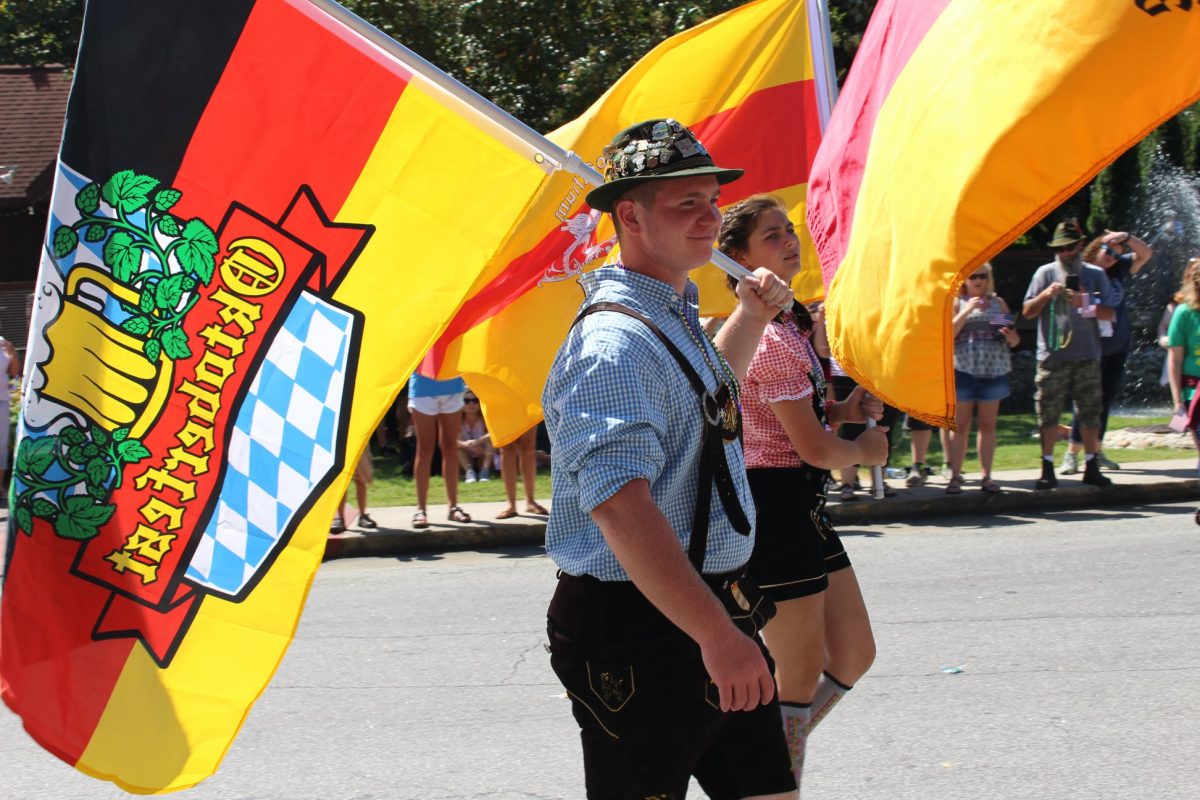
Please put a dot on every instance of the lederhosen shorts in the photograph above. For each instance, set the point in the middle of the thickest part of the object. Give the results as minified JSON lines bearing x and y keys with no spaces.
{"x":648,"y":714}
{"x":795,"y":545}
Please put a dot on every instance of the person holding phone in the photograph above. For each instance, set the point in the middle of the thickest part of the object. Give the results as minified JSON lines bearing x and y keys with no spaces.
{"x":1068,"y":297}
{"x":1121,"y":255}
{"x":983,"y":335}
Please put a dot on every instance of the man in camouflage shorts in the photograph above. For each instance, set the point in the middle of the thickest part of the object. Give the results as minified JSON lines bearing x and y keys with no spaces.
{"x":1068,"y":297}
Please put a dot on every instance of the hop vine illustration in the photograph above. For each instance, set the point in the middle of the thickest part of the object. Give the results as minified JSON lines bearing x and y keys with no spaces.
{"x":89,"y":459}
{"x":68,"y":477}
{"x":153,"y":252}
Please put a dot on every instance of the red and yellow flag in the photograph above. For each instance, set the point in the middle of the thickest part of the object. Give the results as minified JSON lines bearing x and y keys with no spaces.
{"x":962,"y":124}
{"x":258,"y":216}
{"x":744,"y":83}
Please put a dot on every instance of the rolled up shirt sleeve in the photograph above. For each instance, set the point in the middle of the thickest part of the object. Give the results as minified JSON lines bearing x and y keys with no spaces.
{"x":611,"y":426}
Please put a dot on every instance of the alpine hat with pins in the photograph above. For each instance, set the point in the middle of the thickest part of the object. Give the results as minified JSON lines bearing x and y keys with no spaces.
{"x":653,"y":150}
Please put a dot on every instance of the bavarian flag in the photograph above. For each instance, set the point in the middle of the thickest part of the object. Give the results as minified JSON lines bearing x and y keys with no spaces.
{"x":745,"y":83}
{"x":961,"y":125}
{"x":259,"y":216}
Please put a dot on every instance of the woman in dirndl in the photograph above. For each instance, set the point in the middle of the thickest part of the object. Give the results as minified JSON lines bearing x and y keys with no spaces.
{"x":821,"y":636}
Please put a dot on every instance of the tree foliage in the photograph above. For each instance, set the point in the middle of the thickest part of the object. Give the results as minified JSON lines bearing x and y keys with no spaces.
{"x":546,"y":61}
{"x":39,"y":32}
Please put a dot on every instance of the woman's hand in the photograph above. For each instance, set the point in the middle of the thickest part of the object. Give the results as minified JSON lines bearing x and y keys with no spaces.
{"x":764,"y":294}
{"x":1011,"y":337}
{"x":860,"y":406}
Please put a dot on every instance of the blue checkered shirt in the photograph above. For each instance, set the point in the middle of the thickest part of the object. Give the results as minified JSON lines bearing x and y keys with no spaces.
{"x":619,"y":408}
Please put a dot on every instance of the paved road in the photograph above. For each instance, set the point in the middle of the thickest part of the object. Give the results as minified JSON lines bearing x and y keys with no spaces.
{"x":1076,"y":633}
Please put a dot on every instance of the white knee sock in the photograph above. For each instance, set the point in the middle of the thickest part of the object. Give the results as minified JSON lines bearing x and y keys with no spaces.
{"x":795,"y":723}
{"x":829,"y":691}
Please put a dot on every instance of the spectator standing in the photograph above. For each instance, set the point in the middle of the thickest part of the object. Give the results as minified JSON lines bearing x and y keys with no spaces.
{"x":10,"y":368}
{"x":1164,"y":324}
{"x":520,"y":457}
{"x":920,"y":433}
{"x":821,"y":636}
{"x":642,"y":411}
{"x":1068,"y":297}
{"x":1121,"y":255}
{"x":436,"y":408}
{"x":364,"y":476}
{"x":848,"y":484}
{"x":983,"y":336}
{"x":1183,"y":347}
{"x":474,"y":442}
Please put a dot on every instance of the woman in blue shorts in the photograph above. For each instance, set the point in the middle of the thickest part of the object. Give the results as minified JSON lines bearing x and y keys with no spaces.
{"x":983,"y":336}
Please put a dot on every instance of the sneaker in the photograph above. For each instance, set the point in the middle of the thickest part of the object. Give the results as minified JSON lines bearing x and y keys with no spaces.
{"x":1070,"y":464}
{"x":366,"y":523}
{"x":916,"y":477}
{"x":1106,"y":462}
{"x":1092,"y":476}
{"x":484,"y":476}
{"x":471,"y":477}
{"x":846,"y":493}
{"x":946,"y":472}
{"x":338,"y":525}
{"x":1047,"y":481}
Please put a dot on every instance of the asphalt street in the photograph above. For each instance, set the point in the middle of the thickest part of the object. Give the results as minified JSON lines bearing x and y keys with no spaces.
{"x":1050,"y":655}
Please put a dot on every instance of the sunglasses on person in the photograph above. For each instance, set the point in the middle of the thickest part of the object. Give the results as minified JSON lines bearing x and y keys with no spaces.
{"x":470,"y":399}
{"x":1109,"y":251}
{"x":1067,"y":248}
{"x":978,"y":276}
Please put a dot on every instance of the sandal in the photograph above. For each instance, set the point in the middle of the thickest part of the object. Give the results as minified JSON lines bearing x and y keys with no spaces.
{"x":507,"y":513}
{"x":420,"y":520}
{"x":537,"y":508}
{"x":458,"y":515}
{"x":990,"y":486}
{"x":955,"y":485}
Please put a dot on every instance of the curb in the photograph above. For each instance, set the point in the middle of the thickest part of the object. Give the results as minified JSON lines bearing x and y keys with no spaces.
{"x":1015,"y":499}
{"x":469,"y":536}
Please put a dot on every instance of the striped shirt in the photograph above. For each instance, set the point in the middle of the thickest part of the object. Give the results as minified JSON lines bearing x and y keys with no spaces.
{"x":618,"y":408}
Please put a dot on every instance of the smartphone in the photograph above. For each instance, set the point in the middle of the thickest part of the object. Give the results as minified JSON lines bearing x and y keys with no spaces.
{"x":1073,"y":283}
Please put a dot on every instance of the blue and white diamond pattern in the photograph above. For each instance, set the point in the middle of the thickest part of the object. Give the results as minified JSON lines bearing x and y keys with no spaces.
{"x":283,"y":444}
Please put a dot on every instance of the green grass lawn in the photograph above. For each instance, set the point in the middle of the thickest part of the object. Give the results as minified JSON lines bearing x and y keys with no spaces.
{"x":1015,"y":449}
{"x":392,"y":488}
{"x":1018,"y":448}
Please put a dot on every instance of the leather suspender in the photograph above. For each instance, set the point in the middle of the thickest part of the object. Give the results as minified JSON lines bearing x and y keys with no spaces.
{"x":713,"y":465}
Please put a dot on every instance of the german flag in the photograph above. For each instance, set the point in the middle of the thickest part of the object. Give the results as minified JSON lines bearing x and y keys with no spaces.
{"x":744,"y":82}
{"x":960,"y":126}
{"x":259,"y":215}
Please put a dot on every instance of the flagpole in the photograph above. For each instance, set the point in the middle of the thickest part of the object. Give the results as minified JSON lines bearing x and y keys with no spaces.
{"x":501,"y":124}
{"x":820,"y":42}
{"x":820,"y":39}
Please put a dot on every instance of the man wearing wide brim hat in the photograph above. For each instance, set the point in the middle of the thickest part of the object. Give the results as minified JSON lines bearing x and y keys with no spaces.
{"x":1065,"y":234}
{"x":652,"y":519}
{"x":1068,"y":297}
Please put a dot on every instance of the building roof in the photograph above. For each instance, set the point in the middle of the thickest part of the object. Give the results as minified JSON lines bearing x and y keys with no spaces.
{"x":33,"y":102}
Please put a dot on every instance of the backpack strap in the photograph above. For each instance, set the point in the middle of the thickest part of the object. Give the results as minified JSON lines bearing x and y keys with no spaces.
{"x":714,"y":467}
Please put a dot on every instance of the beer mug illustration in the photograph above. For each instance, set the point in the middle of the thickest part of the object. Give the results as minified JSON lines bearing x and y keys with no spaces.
{"x":96,"y":367}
